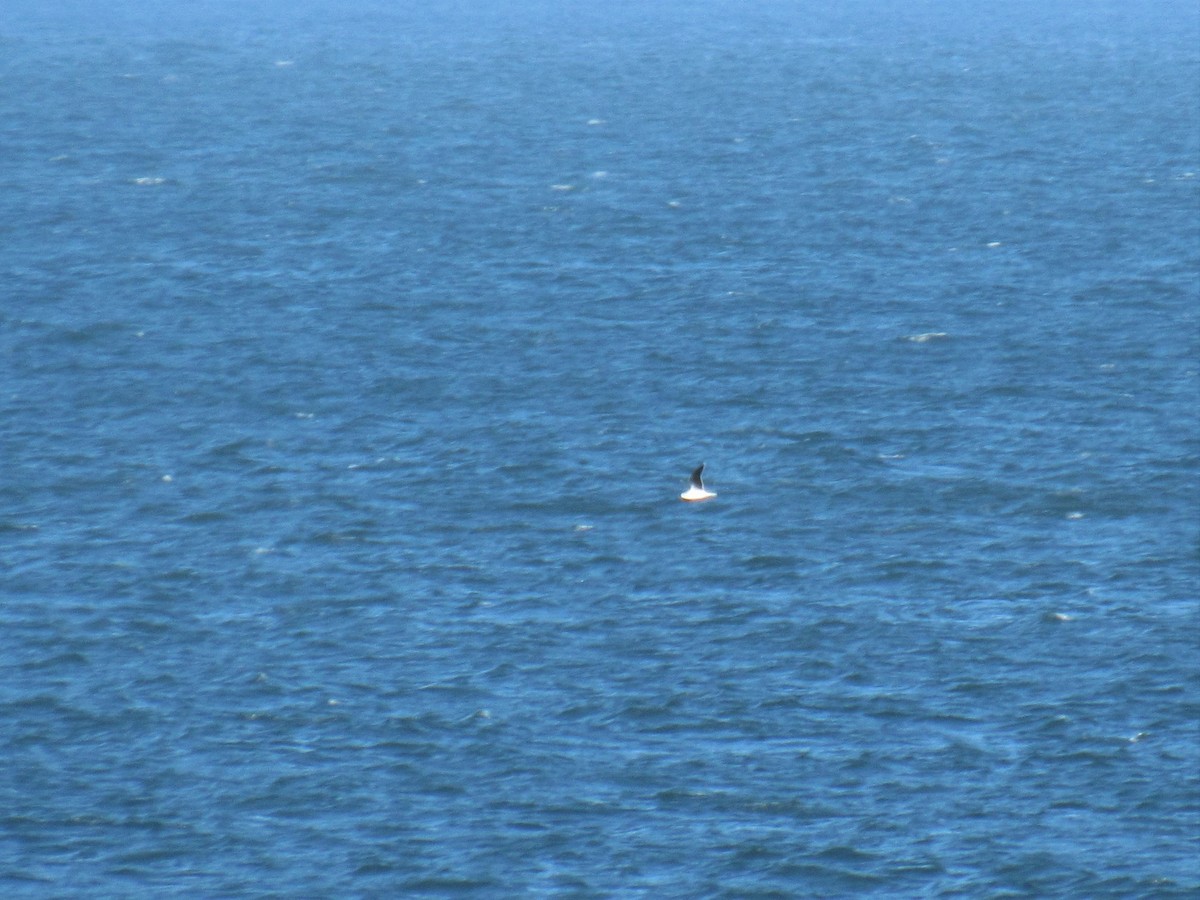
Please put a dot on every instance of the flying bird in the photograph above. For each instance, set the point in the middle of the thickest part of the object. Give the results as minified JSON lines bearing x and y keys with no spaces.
{"x":696,"y":490}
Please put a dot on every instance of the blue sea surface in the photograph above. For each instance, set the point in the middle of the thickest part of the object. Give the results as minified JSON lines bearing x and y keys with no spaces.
{"x":353,"y":357}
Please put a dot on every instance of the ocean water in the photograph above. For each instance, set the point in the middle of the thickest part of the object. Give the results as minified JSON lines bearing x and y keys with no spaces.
{"x":353,"y":357}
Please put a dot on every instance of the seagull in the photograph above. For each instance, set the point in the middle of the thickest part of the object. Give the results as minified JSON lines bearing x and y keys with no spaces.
{"x":697,"y":491}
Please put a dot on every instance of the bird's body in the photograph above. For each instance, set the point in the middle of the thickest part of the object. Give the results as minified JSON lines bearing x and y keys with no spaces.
{"x":696,"y":489}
